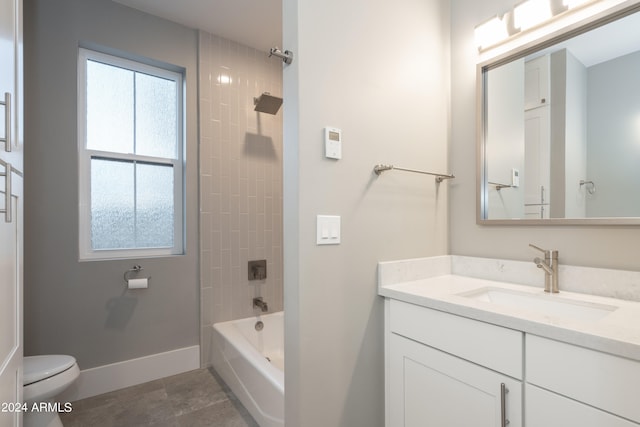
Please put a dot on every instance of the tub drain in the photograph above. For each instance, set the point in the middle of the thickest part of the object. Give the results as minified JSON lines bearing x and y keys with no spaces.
{"x":259,"y":325}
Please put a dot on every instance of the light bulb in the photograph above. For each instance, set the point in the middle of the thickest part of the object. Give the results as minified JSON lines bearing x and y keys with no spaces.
{"x":531,"y":13}
{"x":490,"y":32}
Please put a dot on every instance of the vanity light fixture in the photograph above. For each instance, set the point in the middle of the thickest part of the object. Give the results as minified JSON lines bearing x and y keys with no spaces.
{"x":531,"y":13}
{"x":491,"y":32}
{"x":525,"y":15}
{"x":571,"y":4}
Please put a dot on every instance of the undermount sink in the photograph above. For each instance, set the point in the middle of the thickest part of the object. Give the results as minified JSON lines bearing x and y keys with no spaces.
{"x":551,"y":305}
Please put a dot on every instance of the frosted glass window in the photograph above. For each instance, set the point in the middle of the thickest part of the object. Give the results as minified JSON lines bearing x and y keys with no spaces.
{"x":130,"y":112}
{"x":154,"y":206}
{"x":131,"y":166}
{"x":112,"y":204}
{"x":155,"y":116}
{"x":131,"y":205}
{"x":110,"y":119}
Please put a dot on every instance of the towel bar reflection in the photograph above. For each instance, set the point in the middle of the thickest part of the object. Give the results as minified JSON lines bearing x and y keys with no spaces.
{"x":589,"y":185}
{"x":8,"y":170}
{"x":7,"y":191}
{"x":499,"y":186}
{"x":378,"y":169}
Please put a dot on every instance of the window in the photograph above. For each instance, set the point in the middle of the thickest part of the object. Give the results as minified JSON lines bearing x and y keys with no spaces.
{"x":130,"y":158}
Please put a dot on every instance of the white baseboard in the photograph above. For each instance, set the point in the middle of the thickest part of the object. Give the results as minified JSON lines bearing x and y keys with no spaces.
{"x":103,"y":379}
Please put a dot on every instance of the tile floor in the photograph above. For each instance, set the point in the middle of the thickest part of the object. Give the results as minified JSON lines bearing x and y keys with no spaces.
{"x":193,"y":399}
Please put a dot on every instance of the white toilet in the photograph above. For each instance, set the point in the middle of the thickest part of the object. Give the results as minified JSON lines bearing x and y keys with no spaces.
{"x":45,"y":377}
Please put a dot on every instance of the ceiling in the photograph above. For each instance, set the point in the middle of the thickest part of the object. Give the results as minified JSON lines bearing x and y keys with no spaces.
{"x":258,"y":23}
{"x":255,"y":23}
{"x":604,"y":43}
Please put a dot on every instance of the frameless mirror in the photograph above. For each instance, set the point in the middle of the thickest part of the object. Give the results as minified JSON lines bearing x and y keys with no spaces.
{"x":560,"y":130}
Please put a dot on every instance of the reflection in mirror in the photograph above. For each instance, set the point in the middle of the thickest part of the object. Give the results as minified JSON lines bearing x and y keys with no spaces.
{"x":561,"y":129}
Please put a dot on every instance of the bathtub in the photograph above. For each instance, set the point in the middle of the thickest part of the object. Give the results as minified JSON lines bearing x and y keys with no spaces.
{"x":251,"y":362}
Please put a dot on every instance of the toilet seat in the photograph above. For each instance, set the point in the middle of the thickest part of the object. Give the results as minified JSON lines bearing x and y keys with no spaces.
{"x":38,"y":368}
{"x":44,"y":378}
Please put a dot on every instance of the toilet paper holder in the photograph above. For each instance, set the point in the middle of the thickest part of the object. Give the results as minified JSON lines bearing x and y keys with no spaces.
{"x":135,"y":270}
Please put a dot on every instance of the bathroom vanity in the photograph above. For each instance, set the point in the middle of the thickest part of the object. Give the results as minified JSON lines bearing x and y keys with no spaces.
{"x":468,"y":341}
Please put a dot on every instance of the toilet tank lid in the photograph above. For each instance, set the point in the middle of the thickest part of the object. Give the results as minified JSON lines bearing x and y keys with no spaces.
{"x":38,"y":368}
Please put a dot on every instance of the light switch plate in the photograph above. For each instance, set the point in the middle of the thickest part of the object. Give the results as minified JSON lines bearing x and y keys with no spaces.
{"x":328,"y":230}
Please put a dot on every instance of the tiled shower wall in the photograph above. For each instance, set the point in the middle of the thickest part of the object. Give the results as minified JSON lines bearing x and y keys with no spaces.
{"x":240,"y":180}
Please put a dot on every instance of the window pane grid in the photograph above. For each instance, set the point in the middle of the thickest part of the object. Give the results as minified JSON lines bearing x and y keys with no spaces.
{"x":93,"y":154}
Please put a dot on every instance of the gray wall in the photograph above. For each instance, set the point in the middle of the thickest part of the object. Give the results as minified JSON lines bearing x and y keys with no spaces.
{"x":597,"y":246}
{"x":568,"y":135}
{"x":378,"y":71}
{"x":240,"y":181}
{"x":82,"y":308}
{"x":614,"y":131}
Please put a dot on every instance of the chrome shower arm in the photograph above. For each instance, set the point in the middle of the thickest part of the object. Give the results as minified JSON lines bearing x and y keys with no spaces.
{"x":286,"y":56}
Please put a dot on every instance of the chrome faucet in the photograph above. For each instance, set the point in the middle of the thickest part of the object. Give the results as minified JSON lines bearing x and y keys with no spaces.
{"x":550,"y":266}
{"x":261,"y":304}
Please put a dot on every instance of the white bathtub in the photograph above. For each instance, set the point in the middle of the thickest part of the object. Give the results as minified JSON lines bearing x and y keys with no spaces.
{"x":251,"y":362}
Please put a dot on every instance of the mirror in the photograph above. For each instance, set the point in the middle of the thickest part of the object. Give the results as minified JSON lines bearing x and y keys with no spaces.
{"x":559,"y":135}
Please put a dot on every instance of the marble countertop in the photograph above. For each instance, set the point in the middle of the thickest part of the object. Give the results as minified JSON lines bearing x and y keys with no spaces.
{"x":616,"y":333}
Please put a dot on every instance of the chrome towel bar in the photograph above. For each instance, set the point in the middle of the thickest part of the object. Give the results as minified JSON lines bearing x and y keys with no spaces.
{"x":378,"y":169}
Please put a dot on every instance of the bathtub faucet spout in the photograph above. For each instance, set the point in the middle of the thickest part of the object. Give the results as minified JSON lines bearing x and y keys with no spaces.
{"x":261,"y":304}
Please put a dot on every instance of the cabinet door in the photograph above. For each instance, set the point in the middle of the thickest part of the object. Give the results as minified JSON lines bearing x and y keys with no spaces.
{"x":11,"y":302}
{"x":11,"y":85}
{"x":430,"y":388}
{"x":7,"y":48}
{"x":10,"y":225}
{"x":546,"y":409}
{"x":536,"y":83}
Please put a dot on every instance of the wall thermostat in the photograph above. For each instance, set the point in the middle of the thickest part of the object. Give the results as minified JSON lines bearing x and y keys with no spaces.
{"x":515,"y":178}
{"x":332,"y":143}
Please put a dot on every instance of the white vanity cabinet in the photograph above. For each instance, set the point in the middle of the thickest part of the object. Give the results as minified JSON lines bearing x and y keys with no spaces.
{"x":447,"y":371}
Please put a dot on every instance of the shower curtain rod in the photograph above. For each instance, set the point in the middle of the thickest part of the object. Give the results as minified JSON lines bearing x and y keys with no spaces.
{"x":378,"y":169}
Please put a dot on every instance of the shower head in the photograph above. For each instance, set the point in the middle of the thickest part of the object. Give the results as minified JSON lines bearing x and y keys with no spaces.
{"x":267,"y":103}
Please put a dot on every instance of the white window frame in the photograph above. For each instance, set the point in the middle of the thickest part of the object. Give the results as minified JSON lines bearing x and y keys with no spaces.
{"x":85,"y":155}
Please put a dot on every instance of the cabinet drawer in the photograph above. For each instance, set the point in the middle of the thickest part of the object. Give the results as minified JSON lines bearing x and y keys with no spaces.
{"x":488,"y":345}
{"x":608,"y":382}
{"x":546,"y":409}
